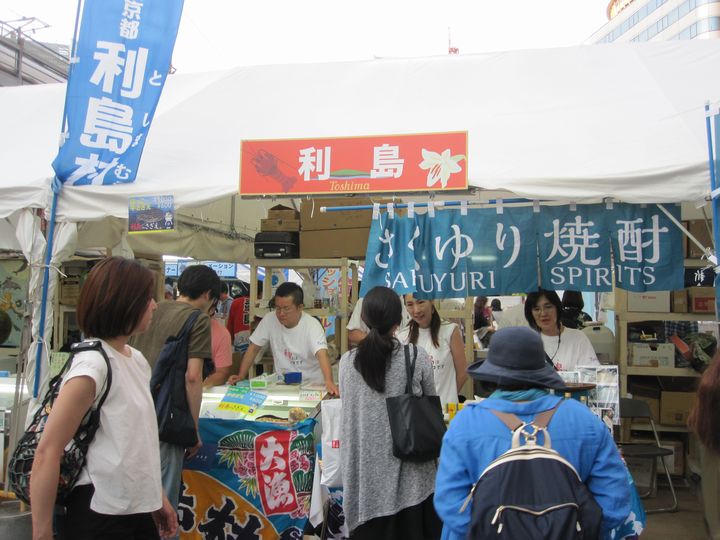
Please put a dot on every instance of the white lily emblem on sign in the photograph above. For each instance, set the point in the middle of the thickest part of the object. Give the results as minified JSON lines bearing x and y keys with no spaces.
{"x":441,"y":166}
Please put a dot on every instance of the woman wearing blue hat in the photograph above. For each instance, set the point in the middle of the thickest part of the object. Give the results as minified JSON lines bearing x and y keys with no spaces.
{"x":517,"y":368}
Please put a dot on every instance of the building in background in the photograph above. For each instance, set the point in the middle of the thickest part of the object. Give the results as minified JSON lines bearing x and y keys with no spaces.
{"x":659,"y":20}
{"x":23,"y":60}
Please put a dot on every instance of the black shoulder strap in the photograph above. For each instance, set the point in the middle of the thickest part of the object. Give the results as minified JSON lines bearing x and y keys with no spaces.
{"x":189,"y":323}
{"x":87,"y":345}
{"x":409,"y":367}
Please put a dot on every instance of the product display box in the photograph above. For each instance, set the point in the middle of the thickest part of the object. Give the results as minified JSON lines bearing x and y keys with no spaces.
{"x":283,"y":212}
{"x":702,"y":299}
{"x":675,"y":407}
{"x":279,"y":225}
{"x":680,"y":301}
{"x":655,"y":302}
{"x":323,"y":244}
{"x":311,"y":219}
{"x":699,"y":229}
{"x":652,"y":354}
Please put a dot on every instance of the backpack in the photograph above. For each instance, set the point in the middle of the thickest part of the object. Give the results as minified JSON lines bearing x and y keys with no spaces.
{"x":531,"y":492}
{"x":167,"y":386}
{"x":75,"y":455}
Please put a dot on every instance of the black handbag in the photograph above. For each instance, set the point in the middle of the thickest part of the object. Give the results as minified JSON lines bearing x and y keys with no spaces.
{"x":416,"y":422}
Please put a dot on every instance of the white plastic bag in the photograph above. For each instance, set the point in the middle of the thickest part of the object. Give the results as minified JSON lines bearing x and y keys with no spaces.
{"x":331,"y":416}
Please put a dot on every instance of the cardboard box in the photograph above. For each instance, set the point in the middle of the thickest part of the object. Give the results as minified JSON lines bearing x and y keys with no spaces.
{"x":675,"y":407}
{"x":334,"y":243}
{"x":699,"y":229}
{"x":680,"y":301}
{"x":652,"y":354}
{"x":702,"y":299}
{"x":653,"y":404}
{"x":283,"y":212}
{"x":281,"y":225}
{"x":311,"y":219}
{"x":655,"y":302}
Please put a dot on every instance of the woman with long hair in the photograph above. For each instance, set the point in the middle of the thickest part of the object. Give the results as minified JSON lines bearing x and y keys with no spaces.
{"x":383,"y":496}
{"x":443,"y":343}
{"x":565,"y":347}
{"x":704,"y":421}
{"x":119,"y":494}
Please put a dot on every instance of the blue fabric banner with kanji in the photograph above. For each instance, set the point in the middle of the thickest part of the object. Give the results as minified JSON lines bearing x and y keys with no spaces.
{"x":122,"y":59}
{"x":495,"y":251}
{"x":250,"y":480}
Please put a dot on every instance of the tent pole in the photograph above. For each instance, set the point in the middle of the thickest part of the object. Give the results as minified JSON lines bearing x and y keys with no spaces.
{"x":712,"y":164}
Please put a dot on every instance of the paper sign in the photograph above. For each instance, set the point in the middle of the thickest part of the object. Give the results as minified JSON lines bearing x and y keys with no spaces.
{"x":151,"y":214}
{"x":242,"y":400}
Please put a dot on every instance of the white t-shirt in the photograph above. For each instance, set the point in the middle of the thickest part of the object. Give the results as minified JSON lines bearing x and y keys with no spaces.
{"x":440,"y":358}
{"x":293,"y":349}
{"x":575,"y":350}
{"x":123,"y":461}
{"x":356,"y":322}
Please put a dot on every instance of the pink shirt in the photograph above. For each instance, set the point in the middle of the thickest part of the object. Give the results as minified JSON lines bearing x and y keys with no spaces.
{"x":221,"y":347}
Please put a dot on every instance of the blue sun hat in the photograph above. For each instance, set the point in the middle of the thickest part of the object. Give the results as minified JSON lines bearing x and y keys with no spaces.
{"x":516,"y":357}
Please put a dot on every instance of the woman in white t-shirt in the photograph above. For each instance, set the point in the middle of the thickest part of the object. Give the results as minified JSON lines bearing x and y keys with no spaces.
{"x":442,"y":342}
{"x":119,"y":492}
{"x":566,"y":348}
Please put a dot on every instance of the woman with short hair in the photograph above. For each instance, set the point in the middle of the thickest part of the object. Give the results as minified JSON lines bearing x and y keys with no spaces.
{"x":118,"y":494}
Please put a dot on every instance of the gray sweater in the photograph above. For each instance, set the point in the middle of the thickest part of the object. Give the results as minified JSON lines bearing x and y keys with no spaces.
{"x":376,"y":483}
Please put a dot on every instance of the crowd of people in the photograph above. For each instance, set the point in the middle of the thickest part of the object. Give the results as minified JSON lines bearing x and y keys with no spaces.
{"x":130,"y":485}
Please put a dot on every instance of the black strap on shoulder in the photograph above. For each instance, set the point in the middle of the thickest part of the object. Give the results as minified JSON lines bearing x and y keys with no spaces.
{"x":189,"y":323}
{"x":409,"y":367}
{"x":75,"y":348}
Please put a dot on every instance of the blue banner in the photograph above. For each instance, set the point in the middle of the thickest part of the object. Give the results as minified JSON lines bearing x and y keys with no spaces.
{"x":492,"y":252}
{"x":249,"y":480}
{"x":648,"y":248}
{"x":574,"y":248}
{"x":122,"y":60}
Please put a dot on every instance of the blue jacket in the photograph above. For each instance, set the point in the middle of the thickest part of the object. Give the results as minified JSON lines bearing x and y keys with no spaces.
{"x":476,"y":437}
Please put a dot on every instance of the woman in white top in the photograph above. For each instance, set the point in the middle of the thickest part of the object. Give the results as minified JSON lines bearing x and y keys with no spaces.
{"x":566,"y":348}
{"x":442,"y":342}
{"x":119,"y":493}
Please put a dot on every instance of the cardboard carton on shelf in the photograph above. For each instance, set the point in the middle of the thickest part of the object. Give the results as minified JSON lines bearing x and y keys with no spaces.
{"x":702,"y":299}
{"x":647,"y":391}
{"x":333,"y":243}
{"x":680,"y":301}
{"x":280,"y":211}
{"x":279,"y":225}
{"x":311,"y":219}
{"x":652,"y":355}
{"x":655,"y":302}
{"x":675,"y":407}
{"x":700,"y":230}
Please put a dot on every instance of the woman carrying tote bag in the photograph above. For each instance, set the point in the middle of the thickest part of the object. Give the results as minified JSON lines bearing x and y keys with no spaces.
{"x":384,"y":497}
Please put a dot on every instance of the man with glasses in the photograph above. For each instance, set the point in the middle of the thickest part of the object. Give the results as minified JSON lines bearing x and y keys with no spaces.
{"x":297,"y":341}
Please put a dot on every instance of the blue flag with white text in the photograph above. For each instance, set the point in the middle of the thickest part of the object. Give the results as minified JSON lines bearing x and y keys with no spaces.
{"x":122,"y":59}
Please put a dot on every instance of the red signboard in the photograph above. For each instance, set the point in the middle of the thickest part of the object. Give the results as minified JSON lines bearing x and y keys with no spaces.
{"x":383,"y":163}
{"x":274,"y":475}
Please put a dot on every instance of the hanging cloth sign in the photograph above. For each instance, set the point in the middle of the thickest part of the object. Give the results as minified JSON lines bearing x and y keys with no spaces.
{"x":647,"y":246}
{"x":491,"y":253}
{"x":123,"y":58}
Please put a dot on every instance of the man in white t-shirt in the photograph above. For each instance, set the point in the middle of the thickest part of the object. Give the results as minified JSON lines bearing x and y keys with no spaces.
{"x":296,"y":339}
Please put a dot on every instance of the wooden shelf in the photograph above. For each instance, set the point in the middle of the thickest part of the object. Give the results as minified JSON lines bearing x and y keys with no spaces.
{"x":638,"y":316}
{"x":661,"y":371}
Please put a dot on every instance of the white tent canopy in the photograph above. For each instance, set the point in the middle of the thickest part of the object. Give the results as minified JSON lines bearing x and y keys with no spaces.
{"x":623,"y":120}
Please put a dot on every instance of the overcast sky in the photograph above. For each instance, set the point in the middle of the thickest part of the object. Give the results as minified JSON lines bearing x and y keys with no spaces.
{"x":216,"y":34}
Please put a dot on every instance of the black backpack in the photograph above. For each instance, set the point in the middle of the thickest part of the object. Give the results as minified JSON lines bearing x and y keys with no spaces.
{"x":167,"y":386}
{"x":75,"y":454}
{"x":531,"y":492}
